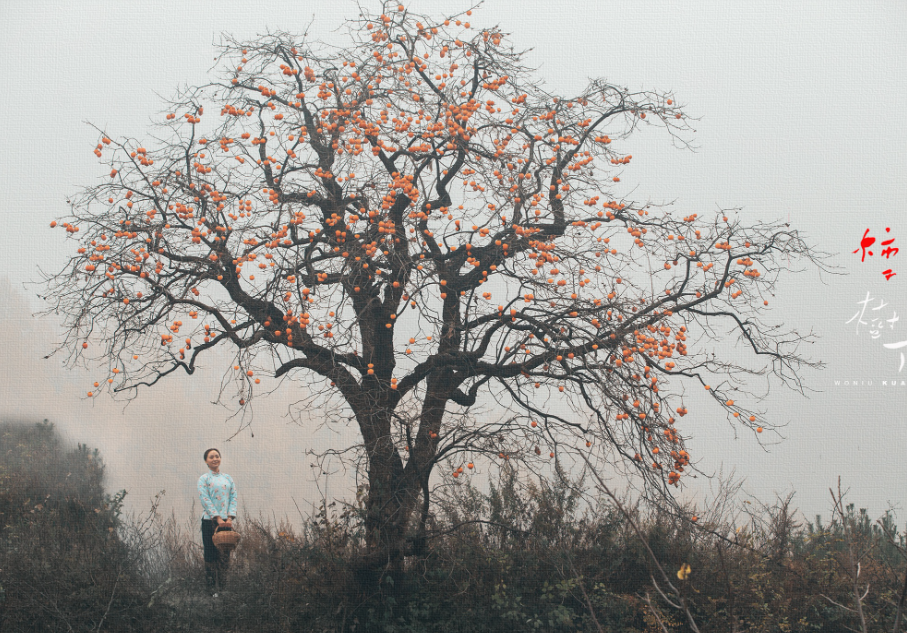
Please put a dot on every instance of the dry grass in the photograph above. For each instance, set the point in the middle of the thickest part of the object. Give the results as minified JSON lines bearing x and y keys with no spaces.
{"x":524,"y":558}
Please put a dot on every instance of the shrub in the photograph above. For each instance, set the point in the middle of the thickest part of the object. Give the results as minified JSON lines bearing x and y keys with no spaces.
{"x":526,"y":556}
{"x":63,"y":565}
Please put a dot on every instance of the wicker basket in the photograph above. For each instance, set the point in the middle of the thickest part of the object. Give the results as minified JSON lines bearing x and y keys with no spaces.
{"x":225,"y":539}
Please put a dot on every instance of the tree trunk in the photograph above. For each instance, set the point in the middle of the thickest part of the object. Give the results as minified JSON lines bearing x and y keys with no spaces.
{"x":392,"y":496}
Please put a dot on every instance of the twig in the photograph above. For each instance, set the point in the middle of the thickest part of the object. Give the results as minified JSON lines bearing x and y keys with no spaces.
{"x":663,"y":595}
{"x":56,"y":610}
{"x":110,"y":602}
{"x":900,"y":606}
{"x":655,"y":613}
{"x":683,"y":604}
{"x":160,"y":588}
{"x":854,"y":565}
{"x":298,"y":510}
{"x":582,"y":588}
{"x":735,"y":624}
{"x":900,"y":611}
{"x":837,"y":604}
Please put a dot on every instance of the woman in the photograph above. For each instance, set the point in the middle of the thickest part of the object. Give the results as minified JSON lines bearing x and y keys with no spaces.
{"x":218,"y":497}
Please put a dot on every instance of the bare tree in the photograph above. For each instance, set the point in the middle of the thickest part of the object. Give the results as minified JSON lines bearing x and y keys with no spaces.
{"x":413,"y":227}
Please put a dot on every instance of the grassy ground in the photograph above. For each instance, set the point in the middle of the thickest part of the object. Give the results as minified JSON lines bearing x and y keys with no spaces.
{"x":529,"y":558}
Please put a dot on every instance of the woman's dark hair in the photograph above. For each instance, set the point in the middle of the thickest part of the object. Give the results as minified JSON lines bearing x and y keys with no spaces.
{"x":208,"y":451}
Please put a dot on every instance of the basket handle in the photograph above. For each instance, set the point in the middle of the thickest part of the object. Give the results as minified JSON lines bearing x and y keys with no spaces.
{"x":222,"y":527}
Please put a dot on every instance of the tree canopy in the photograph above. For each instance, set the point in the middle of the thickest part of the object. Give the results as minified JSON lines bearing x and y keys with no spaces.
{"x":410,"y":225}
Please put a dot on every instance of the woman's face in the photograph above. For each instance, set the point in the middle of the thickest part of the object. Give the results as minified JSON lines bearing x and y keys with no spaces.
{"x":213,"y":460}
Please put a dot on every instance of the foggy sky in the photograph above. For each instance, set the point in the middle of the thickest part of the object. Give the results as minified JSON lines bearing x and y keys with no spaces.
{"x":799,"y":120}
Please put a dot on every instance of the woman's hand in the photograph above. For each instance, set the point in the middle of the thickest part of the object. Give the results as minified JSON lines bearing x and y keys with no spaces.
{"x":220,"y":521}
{"x":229,"y":522}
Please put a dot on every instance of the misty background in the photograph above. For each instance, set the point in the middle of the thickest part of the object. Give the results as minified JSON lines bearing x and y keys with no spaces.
{"x":799,"y":108}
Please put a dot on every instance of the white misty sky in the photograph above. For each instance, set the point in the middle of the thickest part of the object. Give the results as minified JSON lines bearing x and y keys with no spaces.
{"x":799,"y":119}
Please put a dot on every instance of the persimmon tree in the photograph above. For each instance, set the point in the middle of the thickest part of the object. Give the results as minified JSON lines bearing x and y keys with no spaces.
{"x":406,"y":227}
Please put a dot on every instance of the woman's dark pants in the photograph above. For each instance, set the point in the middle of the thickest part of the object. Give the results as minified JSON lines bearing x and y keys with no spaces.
{"x":216,"y":562}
